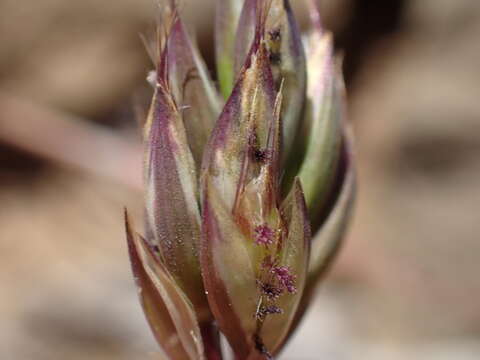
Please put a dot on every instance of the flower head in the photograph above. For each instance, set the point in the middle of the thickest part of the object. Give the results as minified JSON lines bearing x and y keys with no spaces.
{"x":238,"y":180}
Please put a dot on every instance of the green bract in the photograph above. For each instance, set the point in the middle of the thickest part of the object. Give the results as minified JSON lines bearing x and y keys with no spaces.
{"x":248,"y":186}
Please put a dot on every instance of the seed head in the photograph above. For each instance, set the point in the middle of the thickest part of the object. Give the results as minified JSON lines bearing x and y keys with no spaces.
{"x":237,"y":179}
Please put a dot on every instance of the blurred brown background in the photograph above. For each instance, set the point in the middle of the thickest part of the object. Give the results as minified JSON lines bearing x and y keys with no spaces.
{"x":407,"y":282}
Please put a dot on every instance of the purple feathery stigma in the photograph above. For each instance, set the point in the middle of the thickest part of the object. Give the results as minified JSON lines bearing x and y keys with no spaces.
{"x":285,"y":278}
{"x":264,"y":235}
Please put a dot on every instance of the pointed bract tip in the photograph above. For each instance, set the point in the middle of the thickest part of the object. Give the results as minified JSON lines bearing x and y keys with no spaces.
{"x":315,"y":16}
